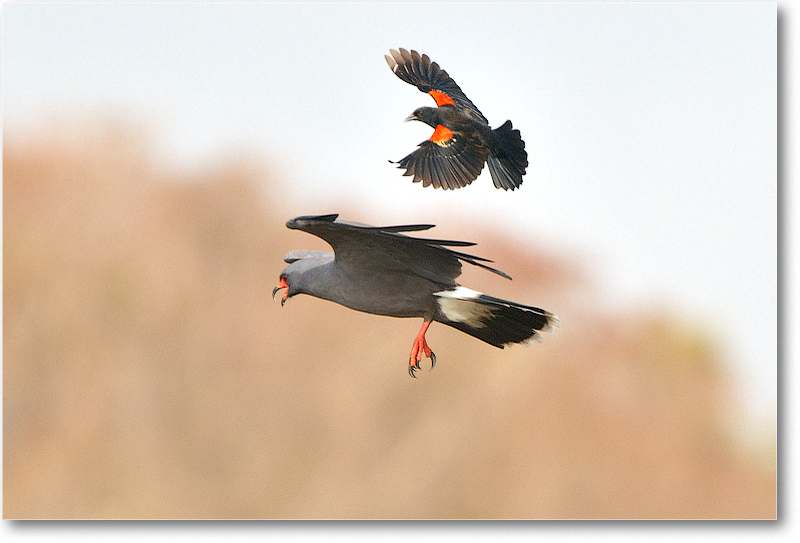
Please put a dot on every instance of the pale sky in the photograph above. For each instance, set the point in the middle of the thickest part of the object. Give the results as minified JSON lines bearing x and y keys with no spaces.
{"x":651,"y":129}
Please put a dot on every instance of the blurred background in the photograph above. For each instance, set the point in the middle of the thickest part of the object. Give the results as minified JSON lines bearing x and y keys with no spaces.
{"x":153,"y":152}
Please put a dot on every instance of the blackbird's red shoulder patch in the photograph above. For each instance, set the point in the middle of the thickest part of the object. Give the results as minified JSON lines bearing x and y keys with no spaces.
{"x":441,"y":135}
{"x":441,"y":98}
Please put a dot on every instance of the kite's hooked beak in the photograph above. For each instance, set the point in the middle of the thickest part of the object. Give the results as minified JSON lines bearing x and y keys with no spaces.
{"x":281,"y":284}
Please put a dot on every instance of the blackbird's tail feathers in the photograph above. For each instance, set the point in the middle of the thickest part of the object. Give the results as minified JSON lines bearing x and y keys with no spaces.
{"x":508,"y":163}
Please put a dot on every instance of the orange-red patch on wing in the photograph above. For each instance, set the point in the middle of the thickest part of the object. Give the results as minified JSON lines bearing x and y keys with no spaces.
{"x":441,"y":134}
{"x":441,"y":98}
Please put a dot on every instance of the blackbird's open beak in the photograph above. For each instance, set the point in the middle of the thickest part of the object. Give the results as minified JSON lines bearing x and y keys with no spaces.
{"x":281,"y":284}
{"x":412,"y":117}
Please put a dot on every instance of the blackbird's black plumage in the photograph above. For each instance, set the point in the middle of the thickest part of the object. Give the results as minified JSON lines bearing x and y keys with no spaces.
{"x":462,"y":141}
{"x":382,"y":271}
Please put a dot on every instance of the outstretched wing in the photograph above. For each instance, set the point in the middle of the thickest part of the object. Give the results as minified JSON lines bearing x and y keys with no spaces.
{"x":447,"y":164}
{"x":294,"y":256}
{"x":427,"y":76}
{"x":380,"y":249}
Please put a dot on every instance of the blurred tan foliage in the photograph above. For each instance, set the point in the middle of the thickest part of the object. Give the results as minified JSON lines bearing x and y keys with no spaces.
{"x":148,"y":374}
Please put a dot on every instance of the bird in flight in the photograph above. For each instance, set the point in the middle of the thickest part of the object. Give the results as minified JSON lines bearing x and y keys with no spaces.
{"x":382,"y":271}
{"x":462,"y":140}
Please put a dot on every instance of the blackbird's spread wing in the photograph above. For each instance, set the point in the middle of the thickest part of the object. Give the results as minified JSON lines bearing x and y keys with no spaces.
{"x":427,"y":76}
{"x":452,"y":164}
{"x":376,"y":250}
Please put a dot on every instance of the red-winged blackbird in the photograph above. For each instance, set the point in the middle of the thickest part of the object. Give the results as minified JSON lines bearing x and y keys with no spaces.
{"x":462,"y":139}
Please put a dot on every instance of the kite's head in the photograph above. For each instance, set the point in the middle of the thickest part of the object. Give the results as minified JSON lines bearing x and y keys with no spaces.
{"x":303,"y":272}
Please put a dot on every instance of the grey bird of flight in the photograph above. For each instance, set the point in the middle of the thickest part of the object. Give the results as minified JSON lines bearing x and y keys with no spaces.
{"x":380,"y":270}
